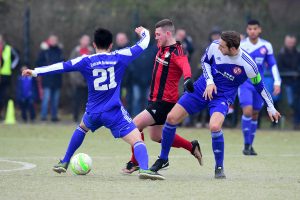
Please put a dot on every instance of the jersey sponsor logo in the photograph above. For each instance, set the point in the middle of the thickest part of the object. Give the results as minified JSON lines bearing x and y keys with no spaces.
{"x":154,"y":111}
{"x":161,"y":61}
{"x":263,"y":50}
{"x":226,"y":75}
{"x":237,"y":70}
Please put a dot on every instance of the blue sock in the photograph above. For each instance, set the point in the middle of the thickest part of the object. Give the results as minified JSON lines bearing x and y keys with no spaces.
{"x":75,"y":142}
{"x":141,"y":154}
{"x":246,"y":128}
{"x":253,"y":131}
{"x":168,"y":136}
{"x":218,"y":147}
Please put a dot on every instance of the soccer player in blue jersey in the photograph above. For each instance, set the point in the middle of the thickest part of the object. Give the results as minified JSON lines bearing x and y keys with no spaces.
{"x":103,"y":72}
{"x":251,"y":102}
{"x":225,"y":68}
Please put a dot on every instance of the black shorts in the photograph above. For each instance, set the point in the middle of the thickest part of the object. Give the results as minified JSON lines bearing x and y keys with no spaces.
{"x":159,"y":111}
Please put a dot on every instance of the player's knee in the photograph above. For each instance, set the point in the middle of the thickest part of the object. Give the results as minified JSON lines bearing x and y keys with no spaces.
{"x":155,"y":138}
{"x":172,"y":119}
{"x":247,"y":112}
{"x":214,"y":127}
{"x":83,"y":126}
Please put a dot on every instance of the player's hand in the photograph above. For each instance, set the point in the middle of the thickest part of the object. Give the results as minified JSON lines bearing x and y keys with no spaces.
{"x":27,"y":72}
{"x":276,"y":90}
{"x":139,"y":30}
{"x":188,"y":85}
{"x":208,"y":93}
{"x":273,"y":114}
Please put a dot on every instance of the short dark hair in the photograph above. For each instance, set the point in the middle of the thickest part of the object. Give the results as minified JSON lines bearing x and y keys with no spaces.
{"x":253,"y":22}
{"x":103,"y":38}
{"x":166,"y":23}
{"x":232,"y":38}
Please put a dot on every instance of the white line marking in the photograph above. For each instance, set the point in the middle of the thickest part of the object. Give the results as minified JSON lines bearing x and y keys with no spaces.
{"x":25,"y":165}
{"x":107,"y":157}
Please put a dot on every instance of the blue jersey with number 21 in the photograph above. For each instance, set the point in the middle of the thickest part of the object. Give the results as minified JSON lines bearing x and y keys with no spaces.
{"x":103,"y":73}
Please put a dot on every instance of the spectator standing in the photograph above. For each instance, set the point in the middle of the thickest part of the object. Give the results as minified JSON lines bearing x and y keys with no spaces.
{"x":78,"y":84}
{"x":289,"y":67}
{"x":122,"y":41}
{"x":9,"y":59}
{"x":51,"y":83}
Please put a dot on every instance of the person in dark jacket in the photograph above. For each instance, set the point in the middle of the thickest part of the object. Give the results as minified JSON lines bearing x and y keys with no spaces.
{"x":51,"y":83}
{"x":289,"y":66}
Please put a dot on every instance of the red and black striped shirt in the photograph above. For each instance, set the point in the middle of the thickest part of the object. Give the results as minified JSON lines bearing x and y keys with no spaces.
{"x":170,"y":64}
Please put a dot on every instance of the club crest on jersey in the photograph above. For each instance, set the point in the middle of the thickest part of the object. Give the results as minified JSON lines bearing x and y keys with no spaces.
{"x":167,"y":54}
{"x":237,"y":70}
{"x":263,"y":50}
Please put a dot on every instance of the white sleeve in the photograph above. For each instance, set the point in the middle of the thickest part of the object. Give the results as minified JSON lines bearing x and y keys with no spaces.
{"x":47,"y":69}
{"x":272,"y":63}
{"x":144,"y":41}
{"x":206,"y":65}
{"x":276,"y":76}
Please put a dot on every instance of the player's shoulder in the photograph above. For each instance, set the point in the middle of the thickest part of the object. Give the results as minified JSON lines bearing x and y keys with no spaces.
{"x":177,"y":49}
{"x":246,"y":58}
{"x":214,"y":45}
{"x":265,"y":43}
{"x":79,"y":59}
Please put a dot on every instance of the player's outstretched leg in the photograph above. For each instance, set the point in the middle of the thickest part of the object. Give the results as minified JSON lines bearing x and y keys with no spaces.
{"x":168,"y":136}
{"x":141,"y":156}
{"x":132,"y":165}
{"x":75,"y":142}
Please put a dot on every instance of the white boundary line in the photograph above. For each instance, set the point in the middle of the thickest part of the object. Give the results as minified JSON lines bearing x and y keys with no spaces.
{"x":107,"y":157}
{"x":25,"y":165}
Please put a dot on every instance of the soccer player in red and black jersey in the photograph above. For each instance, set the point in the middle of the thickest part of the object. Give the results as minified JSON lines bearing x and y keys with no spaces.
{"x":170,"y":64}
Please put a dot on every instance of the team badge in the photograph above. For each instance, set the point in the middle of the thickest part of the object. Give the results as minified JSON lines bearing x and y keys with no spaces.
{"x":263,"y":50}
{"x":237,"y":70}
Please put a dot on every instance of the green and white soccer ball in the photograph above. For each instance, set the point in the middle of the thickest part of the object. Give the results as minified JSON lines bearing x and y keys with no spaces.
{"x":81,"y":164}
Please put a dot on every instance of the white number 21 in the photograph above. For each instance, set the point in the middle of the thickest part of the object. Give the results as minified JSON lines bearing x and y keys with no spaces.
{"x":103,"y":78}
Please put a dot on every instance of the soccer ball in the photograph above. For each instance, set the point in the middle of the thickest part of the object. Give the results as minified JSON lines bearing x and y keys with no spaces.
{"x":81,"y":164}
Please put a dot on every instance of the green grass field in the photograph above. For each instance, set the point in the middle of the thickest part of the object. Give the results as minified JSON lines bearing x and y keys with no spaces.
{"x":273,"y":174}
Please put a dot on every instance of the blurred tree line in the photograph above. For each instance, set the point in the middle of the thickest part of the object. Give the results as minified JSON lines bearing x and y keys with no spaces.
{"x":69,"y":19}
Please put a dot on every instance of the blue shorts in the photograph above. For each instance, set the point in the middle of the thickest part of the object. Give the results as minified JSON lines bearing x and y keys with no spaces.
{"x":117,"y":120}
{"x":248,"y":96}
{"x":194,"y":103}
